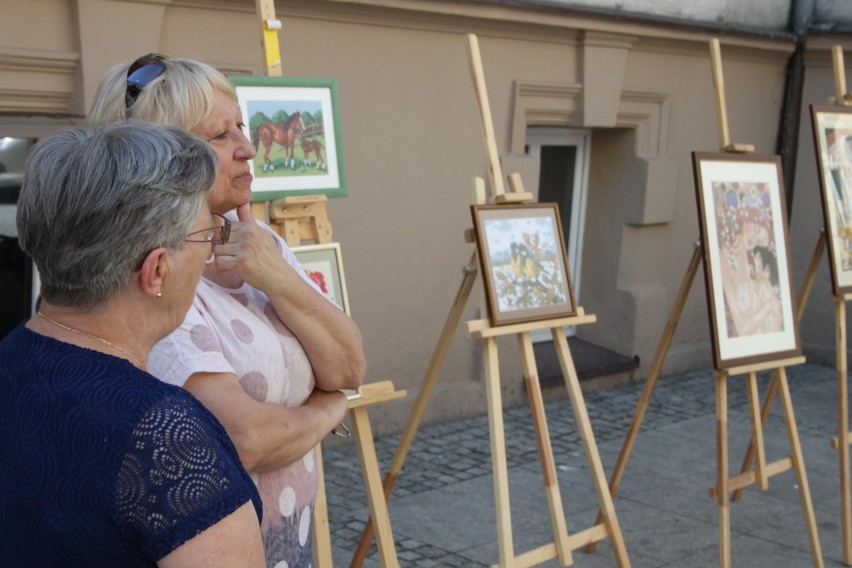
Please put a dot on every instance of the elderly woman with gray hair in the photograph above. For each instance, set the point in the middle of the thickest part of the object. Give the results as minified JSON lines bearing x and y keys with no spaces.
{"x":102,"y":464}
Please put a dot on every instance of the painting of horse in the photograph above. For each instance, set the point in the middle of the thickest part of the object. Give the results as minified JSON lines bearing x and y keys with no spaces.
{"x":314,"y":147}
{"x":293,"y":124}
{"x":283,"y":134}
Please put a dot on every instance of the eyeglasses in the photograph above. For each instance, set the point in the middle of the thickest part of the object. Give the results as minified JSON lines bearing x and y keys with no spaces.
{"x":140,"y":74}
{"x":217,"y":235}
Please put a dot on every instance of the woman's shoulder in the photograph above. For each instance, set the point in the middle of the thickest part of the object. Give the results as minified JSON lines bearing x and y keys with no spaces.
{"x":179,"y":473}
{"x":149,"y":465}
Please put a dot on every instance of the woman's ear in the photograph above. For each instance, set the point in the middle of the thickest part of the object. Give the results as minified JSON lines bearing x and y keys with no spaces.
{"x":154,"y":271}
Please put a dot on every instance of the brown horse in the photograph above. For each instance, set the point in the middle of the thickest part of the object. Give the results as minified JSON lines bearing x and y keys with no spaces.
{"x":311,"y":146}
{"x":282,"y":133}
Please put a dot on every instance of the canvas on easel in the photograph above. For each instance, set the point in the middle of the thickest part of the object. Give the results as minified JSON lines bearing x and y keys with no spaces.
{"x":534,"y":229}
{"x":324,"y":266}
{"x":294,"y":125}
{"x":483,"y":330}
{"x":524,"y":262}
{"x":746,"y":257}
{"x":736,"y":188}
{"x":832,"y":128}
{"x":832,"y":124}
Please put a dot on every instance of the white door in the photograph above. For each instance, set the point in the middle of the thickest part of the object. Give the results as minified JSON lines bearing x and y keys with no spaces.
{"x":563,"y":179}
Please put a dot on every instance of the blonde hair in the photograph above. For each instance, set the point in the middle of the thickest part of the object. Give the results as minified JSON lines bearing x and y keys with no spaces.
{"x":183,"y":95}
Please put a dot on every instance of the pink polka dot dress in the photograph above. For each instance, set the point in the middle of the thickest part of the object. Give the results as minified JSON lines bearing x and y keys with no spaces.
{"x":237,"y":331}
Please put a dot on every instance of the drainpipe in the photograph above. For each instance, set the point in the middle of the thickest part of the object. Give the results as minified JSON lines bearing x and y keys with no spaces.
{"x":787,"y":145}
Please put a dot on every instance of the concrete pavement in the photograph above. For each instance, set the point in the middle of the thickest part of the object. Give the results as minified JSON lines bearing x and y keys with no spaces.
{"x":442,"y":509}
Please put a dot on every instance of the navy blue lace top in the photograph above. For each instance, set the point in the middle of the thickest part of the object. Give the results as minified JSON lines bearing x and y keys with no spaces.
{"x":101,"y":464}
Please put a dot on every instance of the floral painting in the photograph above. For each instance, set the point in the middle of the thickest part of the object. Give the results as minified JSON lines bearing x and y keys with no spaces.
{"x":323,"y":265}
{"x":746,"y":257}
{"x":523,"y":255}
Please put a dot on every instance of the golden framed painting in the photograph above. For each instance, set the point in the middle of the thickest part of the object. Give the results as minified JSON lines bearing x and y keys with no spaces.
{"x":832,"y":129}
{"x":524,"y":262}
{"x":747,"y":260}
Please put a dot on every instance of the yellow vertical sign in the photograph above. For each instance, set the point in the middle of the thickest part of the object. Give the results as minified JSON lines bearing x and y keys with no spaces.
{"x":271,"y":25}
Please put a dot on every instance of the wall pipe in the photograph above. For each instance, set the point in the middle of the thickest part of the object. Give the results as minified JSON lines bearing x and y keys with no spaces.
{"x":787,"y":144}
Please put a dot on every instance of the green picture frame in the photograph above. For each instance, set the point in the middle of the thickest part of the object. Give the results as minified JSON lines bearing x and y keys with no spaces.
{"x":294,"y":125}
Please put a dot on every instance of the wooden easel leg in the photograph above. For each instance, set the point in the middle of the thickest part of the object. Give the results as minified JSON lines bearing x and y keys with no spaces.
{"x":757,"y":432}
{"x":799,"y":465}
{"x":498,"y":452}
{"x":545,"y":450}
{"x":843,"y":430}
{"x":804,"y":293}
{"x":764,"y":417}
{"x":426,"y":387}
{"x":650,"y":382}
{"x":584,"y":426}
{"x":370,"y":470}
{"x":722,"y":495}
{"x":322,"y":534}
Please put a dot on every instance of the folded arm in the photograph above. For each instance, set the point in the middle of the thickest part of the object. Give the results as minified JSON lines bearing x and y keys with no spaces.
{"x":328,"y":335}
{"x":267,"y":436}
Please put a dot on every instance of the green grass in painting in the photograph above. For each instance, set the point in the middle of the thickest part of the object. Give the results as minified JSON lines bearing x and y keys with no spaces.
{"x":277,"y":156}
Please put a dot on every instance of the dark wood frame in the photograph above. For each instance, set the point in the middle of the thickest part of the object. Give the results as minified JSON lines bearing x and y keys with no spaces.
{"x":563,"y":289}
{"x":730,"y":351}
{"x":821,"y":117}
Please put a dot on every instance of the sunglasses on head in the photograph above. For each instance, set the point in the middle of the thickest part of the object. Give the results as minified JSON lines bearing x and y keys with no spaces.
{"x":140,"y":74}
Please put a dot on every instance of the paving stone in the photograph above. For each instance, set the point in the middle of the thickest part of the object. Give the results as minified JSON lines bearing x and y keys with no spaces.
{"x":442,"y":508}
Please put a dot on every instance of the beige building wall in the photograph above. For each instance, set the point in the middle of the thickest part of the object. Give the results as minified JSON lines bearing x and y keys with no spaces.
{"x":413,"y":146}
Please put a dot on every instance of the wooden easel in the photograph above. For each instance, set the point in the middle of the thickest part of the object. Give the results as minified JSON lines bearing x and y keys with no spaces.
{"x":841,"y":98}
{"x":762,"y":471}
{"x":301,"y":218}
{"x":563,"y":544}
{"x":304,"y":218}
{"x":844,"y":438}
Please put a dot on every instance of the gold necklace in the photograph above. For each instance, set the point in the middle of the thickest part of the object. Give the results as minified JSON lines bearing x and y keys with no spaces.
{"x":133,"y":359}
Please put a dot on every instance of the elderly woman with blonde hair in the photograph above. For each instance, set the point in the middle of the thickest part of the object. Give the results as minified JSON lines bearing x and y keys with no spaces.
{"x":261,"y":347}
{"x":102,"y":464}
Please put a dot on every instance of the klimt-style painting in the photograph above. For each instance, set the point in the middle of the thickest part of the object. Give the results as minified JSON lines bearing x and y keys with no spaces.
{"x":746,"y":258}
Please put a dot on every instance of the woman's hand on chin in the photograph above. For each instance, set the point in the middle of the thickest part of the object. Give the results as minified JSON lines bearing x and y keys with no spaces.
{"x":250,"y":252}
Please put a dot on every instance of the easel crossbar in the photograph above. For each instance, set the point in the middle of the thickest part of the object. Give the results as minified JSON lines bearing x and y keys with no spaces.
{"x":835,"y":440}
{"x":750,"y":477}
{"x":765,"y":366}
{"x":562,"y":546}
{"x":548,"y":551}
{"x":480,"y":329}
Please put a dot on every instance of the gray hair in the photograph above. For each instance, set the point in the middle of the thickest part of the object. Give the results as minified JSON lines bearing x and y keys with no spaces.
{"x":95,"y":201}
{"x":183,"y":95}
